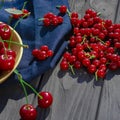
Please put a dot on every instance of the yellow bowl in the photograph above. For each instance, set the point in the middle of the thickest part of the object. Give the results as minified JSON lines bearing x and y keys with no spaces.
{"x":19,"y":51}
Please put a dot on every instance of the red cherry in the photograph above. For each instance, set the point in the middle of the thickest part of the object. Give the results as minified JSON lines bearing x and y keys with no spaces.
{"x":5,"y":32}
{"x":28,"y":112}
{"x":46,"y":100}
{"x":8,"y":52}
{"x":7,"y":62}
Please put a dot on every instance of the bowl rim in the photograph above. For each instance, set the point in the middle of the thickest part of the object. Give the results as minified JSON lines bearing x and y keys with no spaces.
{"x":20,"y":56}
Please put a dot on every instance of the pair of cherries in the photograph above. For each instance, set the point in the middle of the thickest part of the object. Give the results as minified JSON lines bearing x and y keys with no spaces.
{"x":29,"y":112}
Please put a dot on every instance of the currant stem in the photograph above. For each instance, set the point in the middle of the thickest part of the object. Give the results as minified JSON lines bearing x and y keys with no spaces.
{"x":21,"y":82}
{"x":96,"y":77}
{"x":84,"y":38}
{"x":69,"y":13}
{"x":71,"y":68}
{"x":40,"y":19}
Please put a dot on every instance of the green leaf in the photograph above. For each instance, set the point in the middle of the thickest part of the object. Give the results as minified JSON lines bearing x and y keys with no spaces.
{"x":13,"y":11}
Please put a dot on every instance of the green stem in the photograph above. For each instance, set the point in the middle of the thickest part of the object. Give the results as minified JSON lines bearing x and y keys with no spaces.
{"x":99,"y":13}
{"x":24,"y":5}
{"x":15,"y":28}
{"x":16,"y":43}
{"x":96,"y":77}
{"x":84,"y":38}
{"x":33,"y":89}
{"x":25,"y":83}
{"x":71,"y":68}
{"x":69,"y":13}
{"x":21,"y":81}
{"x":99,"y":40}
{"x":4,"y":47}
{"x":40,"y":19}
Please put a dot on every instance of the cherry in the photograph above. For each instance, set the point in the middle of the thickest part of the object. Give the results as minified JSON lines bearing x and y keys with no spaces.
{"x":8,"y":52}
{"x":5,"y":31}
{"x":46,"y":99}
{"x":6,"y":62}
{"x":28,"y":112}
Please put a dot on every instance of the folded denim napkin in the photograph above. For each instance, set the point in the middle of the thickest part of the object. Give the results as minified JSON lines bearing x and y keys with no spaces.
{"x":34,"y":34}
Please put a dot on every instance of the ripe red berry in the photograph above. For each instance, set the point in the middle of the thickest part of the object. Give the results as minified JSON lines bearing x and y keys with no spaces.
{"x":63,"y":9}
{"x":46,"y":99}
{"x":28,"y":112}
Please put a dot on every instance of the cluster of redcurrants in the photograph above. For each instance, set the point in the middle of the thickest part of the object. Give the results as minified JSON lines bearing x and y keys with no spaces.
{"x":52,"y":19}
{"x":7,"y":56}
{"x":94,"y":44}
{"x":29,"y":112}
{"x":43,"y":53}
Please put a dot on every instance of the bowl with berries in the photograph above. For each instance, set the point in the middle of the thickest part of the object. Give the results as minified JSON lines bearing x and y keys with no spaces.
{"x":11,"y":51}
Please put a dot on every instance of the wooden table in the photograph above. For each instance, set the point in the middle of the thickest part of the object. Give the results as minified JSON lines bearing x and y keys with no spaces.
{"x":77,"y":97}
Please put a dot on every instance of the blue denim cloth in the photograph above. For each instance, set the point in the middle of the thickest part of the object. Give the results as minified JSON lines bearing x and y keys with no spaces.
{"x":35,"y":34}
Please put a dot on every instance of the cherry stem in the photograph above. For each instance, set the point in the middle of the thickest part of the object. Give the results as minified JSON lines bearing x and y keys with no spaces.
{"x":33,"y":89}
{"x":24,"y":5}
{"x":4,"y":48}
{"x":16,"y":43}
{"x":27,"y":84}
{"x":23,"y":86}
{"x":15,"y":28}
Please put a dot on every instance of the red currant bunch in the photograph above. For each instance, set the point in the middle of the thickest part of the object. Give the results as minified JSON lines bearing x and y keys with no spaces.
{"x":94,"y":44}
{"x":51,"y":19}
{"x":43,"y":53}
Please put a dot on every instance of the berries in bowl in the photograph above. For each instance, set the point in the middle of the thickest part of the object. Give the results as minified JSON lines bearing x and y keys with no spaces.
{"x":11,"y":51}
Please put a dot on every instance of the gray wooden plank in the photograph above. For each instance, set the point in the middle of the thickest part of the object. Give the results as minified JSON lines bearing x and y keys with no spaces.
{"x":110,"y":98}
{"x":12,"y":98}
